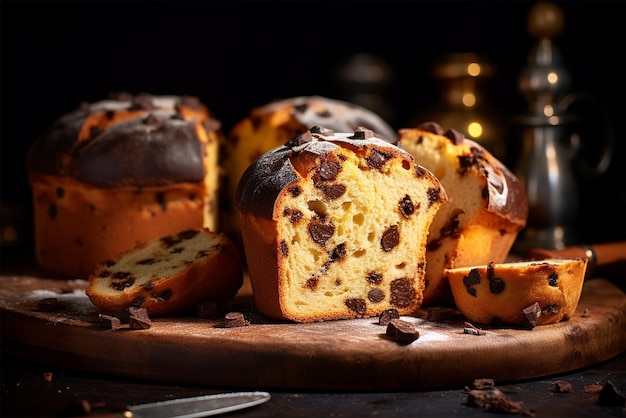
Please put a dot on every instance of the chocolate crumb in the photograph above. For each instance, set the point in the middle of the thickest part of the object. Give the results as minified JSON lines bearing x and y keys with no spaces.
{"x":562,"y":386}
{"x":234,"y":319}
{"x":387,"y":315}
{"x":610,"y":396}
{"x":494,"y":400}
{"x":402,"y":331}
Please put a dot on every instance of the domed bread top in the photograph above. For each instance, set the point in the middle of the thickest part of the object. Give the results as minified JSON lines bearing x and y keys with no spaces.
{"x":504,"y":194}
{"x":132,"y":141}
{"x":263,"y":181}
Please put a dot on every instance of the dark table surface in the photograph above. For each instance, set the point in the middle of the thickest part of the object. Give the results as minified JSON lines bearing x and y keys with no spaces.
{"x":27,"y":393}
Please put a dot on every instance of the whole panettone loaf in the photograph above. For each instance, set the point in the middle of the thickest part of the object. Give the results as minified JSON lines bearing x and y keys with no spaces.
{"x":334,"y":226}
{"x":121,"y":171}
{"x":486,"y":206}
{"x":169,"y":274}
{"x":271,"y":125}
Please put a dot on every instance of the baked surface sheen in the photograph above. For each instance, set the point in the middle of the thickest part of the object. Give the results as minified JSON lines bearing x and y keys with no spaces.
{"x":334,"y":227}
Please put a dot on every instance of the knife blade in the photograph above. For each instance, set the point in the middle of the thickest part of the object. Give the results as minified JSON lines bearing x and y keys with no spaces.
{"x":194,"y":407}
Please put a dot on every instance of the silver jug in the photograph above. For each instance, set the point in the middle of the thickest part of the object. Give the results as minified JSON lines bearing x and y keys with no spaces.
{"x":550,"y":159}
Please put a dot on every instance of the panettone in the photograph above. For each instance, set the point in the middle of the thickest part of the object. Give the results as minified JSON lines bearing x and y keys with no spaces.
{"x":121,"y":171}
{"x":273,"y":124}
{"x":486,"y":207}
{"x":334,"y":226}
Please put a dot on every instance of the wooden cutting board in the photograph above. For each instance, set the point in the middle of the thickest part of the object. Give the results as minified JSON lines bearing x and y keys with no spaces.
{"x":335,"y":355}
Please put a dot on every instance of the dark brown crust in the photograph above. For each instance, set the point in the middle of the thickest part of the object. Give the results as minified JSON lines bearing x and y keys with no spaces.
{"x":264,"y":180}
{"x":154,"y":142}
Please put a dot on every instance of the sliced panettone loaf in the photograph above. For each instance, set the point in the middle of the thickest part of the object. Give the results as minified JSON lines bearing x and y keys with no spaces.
{"x":525,"y":293}
{"x":334,"y":226}
{"x":169,"y":274}
{"x":486,"y":206}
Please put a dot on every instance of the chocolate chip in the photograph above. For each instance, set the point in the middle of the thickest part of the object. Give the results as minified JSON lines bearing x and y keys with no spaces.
{"x":377,"y":159}
{"x":432,"y":127}
{"x":362,"y":133}
{"x":470,"y":280}
{"x":147,"y":262}
{"x":375,"y":295}
{"x":321,"y":232}
{"x":374,"y":277}
{"x":496,"y":284}
{"x":532,"y":313}
{"x":402,"y":293}
{"x":434,"y":195}
{"x":390,"y":239}
{"x":406,"y":206}
{"x":455,"y":136}
{"x":402,"y":331}
{"x":338,"y":253}
{"x":553,"y":279}
{"x":301,"y":108}
{"x":295,"y":191}
{"x":60,"y":192}
{"x":303,"y":138}
{"x":294,"y":215}
{"x":284,"y":249}
{"x":356,"y":305}
{"x":312,"y":283}
{"x":333,"y":191}
{"x":234,"y":319}
{"x":170,"y":240}
{"x":122,"y":280}
{"x":321,"y":130}
{"x":387,"y":315}
{"x":328,"y":170}
{"x":109,"y":321}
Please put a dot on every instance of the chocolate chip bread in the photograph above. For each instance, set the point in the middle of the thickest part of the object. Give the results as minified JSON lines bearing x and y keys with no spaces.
{"x":273,"y":124}
{"x":526,"y":293}
{"x":168,"y":275}
{"x":486,"y":206}
{"x":118,"y":172}
{"x":334,"y":226}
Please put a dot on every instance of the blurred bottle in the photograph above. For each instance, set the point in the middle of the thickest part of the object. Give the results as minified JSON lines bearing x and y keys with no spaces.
{"x":463,"y":103}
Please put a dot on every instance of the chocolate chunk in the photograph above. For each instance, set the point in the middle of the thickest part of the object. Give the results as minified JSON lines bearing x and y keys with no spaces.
{"x":402,"y":293}
{"x":362,"y":133}
{"x":562,"y":386}
{"x":387,"y":315}
{"x":553,"y":279}
{"x":109,"y":321}
{"x":294,"y":215}
{"x":377,"y":159}
{"x":234,"y":319}
{"x":375,"y":295}
{"x":321,"y":130}
{"x":374,"y":277}
{"x":328,"y":170}
{"x":356,"y":305}
{"x":207,"y":309}
{"x":139,"y":318}
{"x":303,"y":138}
{"x":434,"y":195}
{"x":170,"y":240}
{"x":432,"y":127}
{"x":48,"y":305}
{"x":455,"y":136}
{"x":402,"y":331}
{"x":333,"y":191}
{"x":188,"y":234}
{"x":532,"y":313}
{"x":406,"y":206}
{"x":321,"y":232}
{"x":390,"y":239}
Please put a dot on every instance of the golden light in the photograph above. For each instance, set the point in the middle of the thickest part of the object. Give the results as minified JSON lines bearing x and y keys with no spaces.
{"x":475,"y":129}
{"x":553,"y":77}
{"x":548,"y":110}
{"x":469,"y":99}
{"x":473,"y":69}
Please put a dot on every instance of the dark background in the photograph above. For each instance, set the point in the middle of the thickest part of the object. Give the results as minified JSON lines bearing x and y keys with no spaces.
{"x":237,"y":55}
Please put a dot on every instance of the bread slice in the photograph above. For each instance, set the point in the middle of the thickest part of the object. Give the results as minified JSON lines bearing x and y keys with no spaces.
{"x":525,"y":293}
{"x":334,"y":226}
{"x":486,"y":206}
{"x":169,"y":275}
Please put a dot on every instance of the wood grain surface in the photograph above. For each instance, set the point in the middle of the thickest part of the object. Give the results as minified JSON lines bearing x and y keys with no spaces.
{"x":335,"y":355}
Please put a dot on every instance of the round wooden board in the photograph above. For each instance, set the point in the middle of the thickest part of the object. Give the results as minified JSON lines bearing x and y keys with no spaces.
{"x":334,"y":355}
